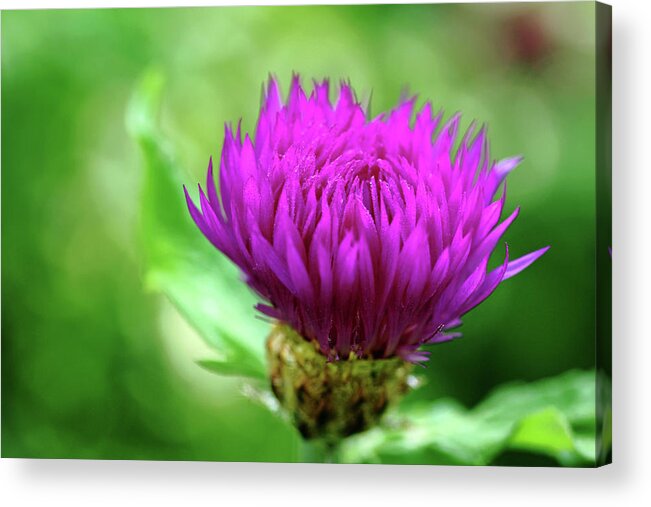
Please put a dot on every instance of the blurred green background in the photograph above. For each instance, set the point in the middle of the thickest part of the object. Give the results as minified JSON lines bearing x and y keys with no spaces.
{"x":93,"y":366}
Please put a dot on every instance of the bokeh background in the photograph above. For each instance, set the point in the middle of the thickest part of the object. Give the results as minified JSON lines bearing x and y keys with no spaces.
{"x":94,"y":366}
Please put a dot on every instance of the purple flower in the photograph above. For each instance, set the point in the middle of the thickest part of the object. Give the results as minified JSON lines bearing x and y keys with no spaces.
{"x":370,"y":237}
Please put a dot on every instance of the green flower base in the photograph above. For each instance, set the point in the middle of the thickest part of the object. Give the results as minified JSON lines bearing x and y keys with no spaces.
{"x":331,"y":400}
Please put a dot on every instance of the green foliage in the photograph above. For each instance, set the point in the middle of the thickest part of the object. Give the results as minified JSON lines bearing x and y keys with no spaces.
{"x":552,"y":417}
{"x":179,"y":262}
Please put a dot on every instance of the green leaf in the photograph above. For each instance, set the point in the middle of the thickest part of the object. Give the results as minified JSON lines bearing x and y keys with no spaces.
{"x":203,"y":285}
{"x":572,"y":392}
{"x":230,"y":367}
{"x":553,"y":417}
{"x":546,"y":431}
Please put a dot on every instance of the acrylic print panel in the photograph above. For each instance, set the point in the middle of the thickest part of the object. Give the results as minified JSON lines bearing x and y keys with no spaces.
{"x":305,"y":303}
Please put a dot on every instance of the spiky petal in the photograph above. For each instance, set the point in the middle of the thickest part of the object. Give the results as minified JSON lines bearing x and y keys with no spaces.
{"x":369,"y":237}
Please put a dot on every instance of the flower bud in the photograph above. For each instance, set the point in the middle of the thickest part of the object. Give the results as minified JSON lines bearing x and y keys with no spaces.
{"x":331,"y":399}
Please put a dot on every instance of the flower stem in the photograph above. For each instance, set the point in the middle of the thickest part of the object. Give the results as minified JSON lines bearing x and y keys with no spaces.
{"x":320,"y":451}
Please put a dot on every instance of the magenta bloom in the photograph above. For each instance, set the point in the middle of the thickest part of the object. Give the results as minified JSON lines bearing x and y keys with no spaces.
{"x":370,"y":237}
